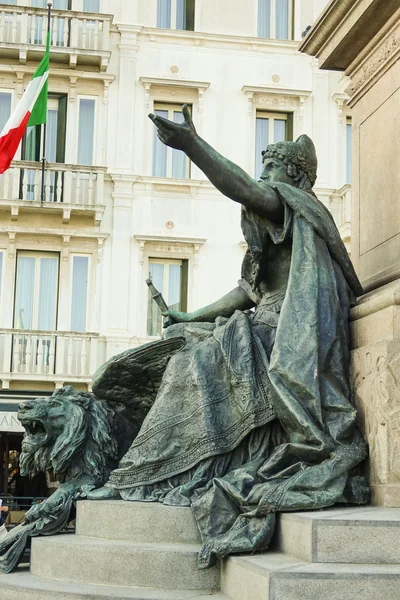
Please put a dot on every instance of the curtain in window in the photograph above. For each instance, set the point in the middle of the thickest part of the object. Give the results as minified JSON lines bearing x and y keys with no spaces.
{"x":160,"y":150}
{"x":80,"y":274}
{"x":154,"y":317}
{"x":264,"y":18}
{"x":282,"y":20}
{"x":91,"y":6}
{"x":47,"y":294}
{"x":279,"y":130}
{"x":25,"y":286}
{"x":348,"y":152}
{"x":178,"y":157}
{"x":5,"y":108}
{"x":51,"y":149}
{"x":174,"y":286}
{"x":180,"y":14}
{"x":38,"y":20}
{"x":1,"y":274}
{"x":164,"y":14}
{"x":57,"y":4}
{"x":51,"y":135}
{"x":262,"y":137}
{"x":30,"y":153}
{"x":86,"y":131}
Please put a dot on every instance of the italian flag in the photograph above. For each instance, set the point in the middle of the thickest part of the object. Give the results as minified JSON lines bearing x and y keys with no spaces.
{"x":31,"y":110}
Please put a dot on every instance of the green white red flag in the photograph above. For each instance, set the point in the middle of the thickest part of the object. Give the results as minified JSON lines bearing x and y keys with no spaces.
{"x":31,"y":110}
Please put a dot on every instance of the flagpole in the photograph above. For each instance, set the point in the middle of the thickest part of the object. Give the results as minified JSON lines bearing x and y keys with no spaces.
{"x":49,"y":5}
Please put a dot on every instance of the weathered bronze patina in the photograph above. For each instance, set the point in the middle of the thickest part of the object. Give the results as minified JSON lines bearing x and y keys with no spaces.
{"x":251,"y":413}
{"x":254,"y":414}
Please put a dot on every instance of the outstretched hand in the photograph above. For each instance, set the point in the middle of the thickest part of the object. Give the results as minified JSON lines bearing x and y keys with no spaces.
{"x":175,"y":135}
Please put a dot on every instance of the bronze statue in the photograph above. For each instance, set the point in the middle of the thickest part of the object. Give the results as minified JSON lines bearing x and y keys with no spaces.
{"x":252,"y":413}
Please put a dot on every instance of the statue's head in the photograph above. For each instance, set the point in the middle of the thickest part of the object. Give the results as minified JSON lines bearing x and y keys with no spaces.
{"x":291,"y":162}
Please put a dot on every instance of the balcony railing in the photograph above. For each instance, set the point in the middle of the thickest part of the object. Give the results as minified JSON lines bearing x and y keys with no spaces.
{"x":81,"y":36}
{"x":67,"y":187}
{"x":47,"y":355}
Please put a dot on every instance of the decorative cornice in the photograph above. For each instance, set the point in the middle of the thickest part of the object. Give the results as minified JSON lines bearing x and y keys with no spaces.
{"x":375,"y":65}
{"x":71,"y":233}
{"x":217,"y":40}
{"x":183,"y":84}
{"x":275,"y":97}
{"x":345,"y":28}
{"x":169,"y":239}
{"x":21,"y":70}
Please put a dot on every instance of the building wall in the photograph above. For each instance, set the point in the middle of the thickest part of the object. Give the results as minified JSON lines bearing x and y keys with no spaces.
{"x":228,"y":75}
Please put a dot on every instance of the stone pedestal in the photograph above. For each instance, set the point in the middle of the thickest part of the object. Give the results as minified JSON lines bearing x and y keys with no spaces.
{"x":375,"y":329}
{"x":362,"y":39}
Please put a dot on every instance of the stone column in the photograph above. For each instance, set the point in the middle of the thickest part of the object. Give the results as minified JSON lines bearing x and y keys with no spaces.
{"x":362,"y":39}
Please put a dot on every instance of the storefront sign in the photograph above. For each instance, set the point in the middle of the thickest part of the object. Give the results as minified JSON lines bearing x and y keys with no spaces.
{"x":9,"y":422}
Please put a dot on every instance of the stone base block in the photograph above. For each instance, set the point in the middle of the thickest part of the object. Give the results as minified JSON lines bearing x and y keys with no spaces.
{"x":367,"y":535}
{"x":78,"y":559}
{"x":280,"y":577}
{"x":375,"y":333}
{"x":136,"y":522}
{"x":24,"y":586}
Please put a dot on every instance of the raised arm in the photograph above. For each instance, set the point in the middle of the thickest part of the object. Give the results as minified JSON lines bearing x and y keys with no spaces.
{"x":227,"y":177}
{"x":224,"y":307}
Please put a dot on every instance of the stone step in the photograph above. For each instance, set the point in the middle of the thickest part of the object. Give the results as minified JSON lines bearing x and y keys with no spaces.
{"x":136,"y":522}
{"x":22,"y":585}
{"x":276,"y":576}
{"x":78,"y":559}
{"x":341,"y":535}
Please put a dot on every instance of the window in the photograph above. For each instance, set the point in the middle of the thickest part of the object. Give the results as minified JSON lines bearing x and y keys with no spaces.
{"x":275,"y":19}
{"x":36,"y":290}
{"x":1,"y":274}
{"x":79,"y":298}
{"x":86,"y":130}
{"x":348,"y":149}
{"x":170,"y":278}
{"x":32,"y":150}
{"x":175,"y":14}
{"x":55,"y":134}
{"x":270,"y":129}
{"x":91,"y":6}
{"x":168,"y":162}
{"x":5,"y":108}
{"x":36,"y":293}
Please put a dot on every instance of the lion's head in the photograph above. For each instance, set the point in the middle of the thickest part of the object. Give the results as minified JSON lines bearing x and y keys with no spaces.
{"x":68,"y":433}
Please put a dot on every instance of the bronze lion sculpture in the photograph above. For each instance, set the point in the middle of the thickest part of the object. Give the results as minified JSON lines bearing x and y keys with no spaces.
{"x":80,"y":437}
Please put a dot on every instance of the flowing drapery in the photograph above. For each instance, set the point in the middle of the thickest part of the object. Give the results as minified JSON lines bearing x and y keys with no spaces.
{"x":253,"y":415}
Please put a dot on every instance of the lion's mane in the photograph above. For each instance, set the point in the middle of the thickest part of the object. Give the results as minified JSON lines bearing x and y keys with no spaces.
{"x":86,"y":445}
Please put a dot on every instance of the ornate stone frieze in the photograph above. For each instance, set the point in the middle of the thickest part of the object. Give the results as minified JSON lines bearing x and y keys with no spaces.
{"x":377,"y":63}
{"x":376,"y":377}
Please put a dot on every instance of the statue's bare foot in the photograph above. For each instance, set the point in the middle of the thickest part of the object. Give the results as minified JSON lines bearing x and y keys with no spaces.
{"x":104,"y":493}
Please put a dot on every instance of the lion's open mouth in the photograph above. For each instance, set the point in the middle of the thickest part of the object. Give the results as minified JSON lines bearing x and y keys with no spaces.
{"x":35,"y":436}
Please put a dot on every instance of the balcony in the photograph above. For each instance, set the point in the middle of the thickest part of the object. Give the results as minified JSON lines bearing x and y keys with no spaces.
{"x":47,"y":356}
{"x":68,"y":189}
{"x":77,"y":38}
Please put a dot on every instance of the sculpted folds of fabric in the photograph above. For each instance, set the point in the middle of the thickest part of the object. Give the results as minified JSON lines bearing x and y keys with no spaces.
{"x":251,"y":421}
